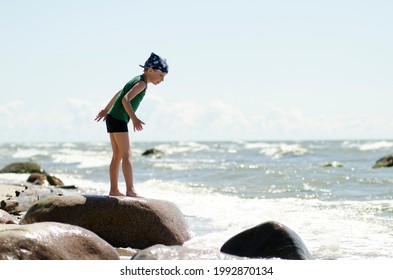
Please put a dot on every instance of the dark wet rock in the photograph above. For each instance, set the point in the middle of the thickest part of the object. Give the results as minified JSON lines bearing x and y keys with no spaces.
{"x":161,"y":252}
{"x":42,"y":179}
{"x":386,"y":161}
{"x":68,"y":187}
{"x":54,"y":181}
{"x":122,"y":221}
{"x":267,"y":240}
{"x":22,"y":167}
{"x":6,"y":218}
{"x":37,"y":178}
{"x":153,"y":152}
{"x":52,"y":241}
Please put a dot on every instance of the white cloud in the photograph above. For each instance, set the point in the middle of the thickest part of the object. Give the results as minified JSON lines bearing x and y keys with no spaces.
{"x":23,"y":122}
{"x":215,"y":120}
{"x":220,"y":120}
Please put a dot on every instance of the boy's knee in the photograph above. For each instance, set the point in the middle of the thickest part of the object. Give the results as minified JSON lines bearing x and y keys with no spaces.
{"x":126,"y":155}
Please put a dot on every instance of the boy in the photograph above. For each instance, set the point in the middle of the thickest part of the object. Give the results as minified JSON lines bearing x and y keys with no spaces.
{"x":120,"y":109}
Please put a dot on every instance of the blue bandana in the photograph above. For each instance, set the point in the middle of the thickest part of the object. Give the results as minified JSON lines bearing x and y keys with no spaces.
{"x":156,"y":62}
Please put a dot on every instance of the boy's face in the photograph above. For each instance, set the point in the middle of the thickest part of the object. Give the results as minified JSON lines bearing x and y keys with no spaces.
{"x":156,"y":76}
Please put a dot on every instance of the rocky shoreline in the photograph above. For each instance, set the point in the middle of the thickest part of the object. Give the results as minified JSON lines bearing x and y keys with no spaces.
{"x":103,"y":227}
{"x":40,"y":222}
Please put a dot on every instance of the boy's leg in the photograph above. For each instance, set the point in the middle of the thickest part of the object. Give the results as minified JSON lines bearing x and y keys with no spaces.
{"x":114,"y":168}
{"x":123,"y":144}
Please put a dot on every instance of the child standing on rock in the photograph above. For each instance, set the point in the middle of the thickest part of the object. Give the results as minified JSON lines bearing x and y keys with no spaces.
{"x":120,"y":109}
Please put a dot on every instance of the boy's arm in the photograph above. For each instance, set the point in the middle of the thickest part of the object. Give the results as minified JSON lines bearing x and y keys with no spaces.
{"x":102,"y":114}
{"x":110,"y":104}
{"x":136,"y":89}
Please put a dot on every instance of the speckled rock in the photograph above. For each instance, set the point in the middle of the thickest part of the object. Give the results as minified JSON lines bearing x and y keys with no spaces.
{"x":122,"y":221}
{"x":52,"y":241}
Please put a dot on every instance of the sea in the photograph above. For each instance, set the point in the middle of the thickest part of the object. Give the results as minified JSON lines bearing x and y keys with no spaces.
{"x":326,"y":191}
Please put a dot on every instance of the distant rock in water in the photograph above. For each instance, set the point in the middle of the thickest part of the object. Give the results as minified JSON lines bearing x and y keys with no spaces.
{"x":153,"y":152}
{"x":267,"y":240}
{"x":22,"y":167}
{"x":332,"y":164}
{"x":122,"y":221}
{"x":386,"y":161}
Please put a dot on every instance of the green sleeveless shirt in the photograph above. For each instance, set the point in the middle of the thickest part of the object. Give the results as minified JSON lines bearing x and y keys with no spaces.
{"x":117,"y":111}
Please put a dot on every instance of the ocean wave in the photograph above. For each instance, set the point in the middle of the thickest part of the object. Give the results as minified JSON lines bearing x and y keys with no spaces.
{"x":29,"y":153}
{"x":330,"y":229}
{"x":83,"y":159}
{"x":187,"y":164}
{"x":277,"y":150}
{"x":182,"y":147}
{"x":368,"y":146}
{"x":13,"y":178}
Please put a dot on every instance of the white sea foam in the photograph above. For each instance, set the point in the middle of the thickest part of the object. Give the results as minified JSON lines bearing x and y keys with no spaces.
{"x":13,"y":178}
{"x":29,"y":153}
{"x":182,"y":147}
{"x":330,"y":230}
{"x":368,"y":146}
{"x":185,"y":164}
{"x":83,"y":159}
{"x":277,"y":150}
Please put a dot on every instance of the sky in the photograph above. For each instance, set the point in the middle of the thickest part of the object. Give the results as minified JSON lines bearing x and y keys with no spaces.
{"x":238,"y":70}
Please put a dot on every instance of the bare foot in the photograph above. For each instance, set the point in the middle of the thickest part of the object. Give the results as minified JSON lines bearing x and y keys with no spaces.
{"x":116,"y":194}
{"x":133,"y":194}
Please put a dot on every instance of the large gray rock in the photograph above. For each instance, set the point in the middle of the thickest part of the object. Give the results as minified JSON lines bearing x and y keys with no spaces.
{"x":161,"y":252}
{"x":121,"y":221}
{"x":52,"y":241}
{"x":267,"y":240}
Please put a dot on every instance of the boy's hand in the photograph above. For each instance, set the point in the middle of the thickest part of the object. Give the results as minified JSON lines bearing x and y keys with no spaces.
{"x":138,"y":124}
{"x":101,"y":115}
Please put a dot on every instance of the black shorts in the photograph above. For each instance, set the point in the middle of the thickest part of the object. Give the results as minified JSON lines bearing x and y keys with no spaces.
{"x":115,"y":125}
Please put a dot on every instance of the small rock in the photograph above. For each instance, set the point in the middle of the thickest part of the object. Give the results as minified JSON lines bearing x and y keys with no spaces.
{"x":153,"y":152}
{"x":333,"y":164}
{"x":41,"y":179}
{"x":386,"y":161}
{"x":37,"y":178}
{"x":54,"y":181}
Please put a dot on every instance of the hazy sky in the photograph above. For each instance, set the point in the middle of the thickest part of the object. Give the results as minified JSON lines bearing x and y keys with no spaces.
{"x":238,"y":70}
